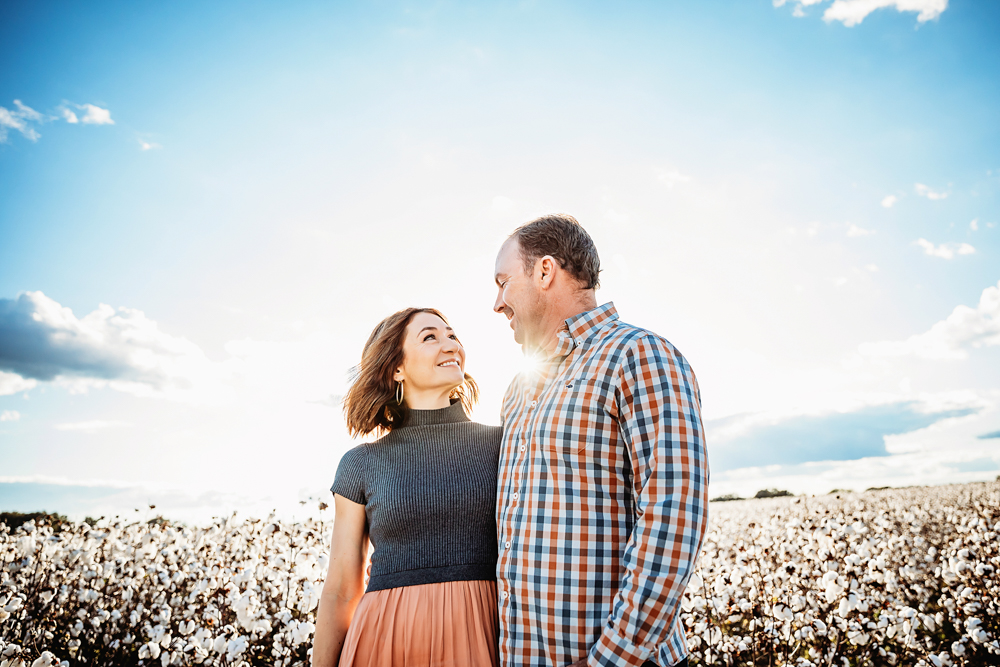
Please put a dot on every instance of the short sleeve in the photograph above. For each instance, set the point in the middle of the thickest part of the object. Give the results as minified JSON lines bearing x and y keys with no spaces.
{"x":350,"y":479}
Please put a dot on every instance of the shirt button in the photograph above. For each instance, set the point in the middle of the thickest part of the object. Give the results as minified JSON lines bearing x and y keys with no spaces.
{"x":505,"y":596}
{"x":506,"y":545}
{"x":523,"y":448}
{"x":534,"y":403}
{"x":515,"y":495}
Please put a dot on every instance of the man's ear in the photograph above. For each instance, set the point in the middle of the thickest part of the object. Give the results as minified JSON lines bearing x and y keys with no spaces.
{"x":545,"y":270}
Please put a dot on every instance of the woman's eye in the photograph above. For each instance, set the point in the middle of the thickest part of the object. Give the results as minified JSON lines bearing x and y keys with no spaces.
{"x":428,"y":337}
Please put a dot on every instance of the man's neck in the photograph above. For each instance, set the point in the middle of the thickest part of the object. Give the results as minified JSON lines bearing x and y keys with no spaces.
{"x":583,"y":302}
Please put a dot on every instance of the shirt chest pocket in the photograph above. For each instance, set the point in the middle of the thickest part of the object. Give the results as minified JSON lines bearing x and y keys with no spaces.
{"x":573,"y":422}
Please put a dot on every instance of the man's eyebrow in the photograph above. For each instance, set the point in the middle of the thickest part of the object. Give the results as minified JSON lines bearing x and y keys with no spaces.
{"x":496,"y":278}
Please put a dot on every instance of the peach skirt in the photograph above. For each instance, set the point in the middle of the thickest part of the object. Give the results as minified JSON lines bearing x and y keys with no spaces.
{"x":451,"y":624}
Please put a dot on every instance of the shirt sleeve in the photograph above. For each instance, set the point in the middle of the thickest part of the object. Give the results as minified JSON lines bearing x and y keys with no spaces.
{"x":659,"y":410}
{"x":350,"y":480}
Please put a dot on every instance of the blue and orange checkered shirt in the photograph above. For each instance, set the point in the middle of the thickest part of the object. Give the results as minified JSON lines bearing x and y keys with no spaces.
{"x":602,"y":499}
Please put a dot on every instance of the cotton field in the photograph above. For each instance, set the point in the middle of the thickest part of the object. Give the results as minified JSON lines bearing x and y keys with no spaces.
{"x":895,"y":577}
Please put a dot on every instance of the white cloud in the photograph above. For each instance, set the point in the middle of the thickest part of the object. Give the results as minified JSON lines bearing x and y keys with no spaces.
{"x":672,"y":177}
{"x":95,"y":115}
{"x":853,"y":12}
{"x":855,"y":231}
{"x":29,"y":113}
{"x":9,"y":416}
{"x":925,"y":191}
{"x":122,"y":348}
{"x":148,"y":146}
{"x":974,"y":225}
{"x":952,"y":338}
{"x":20,"y":119}
{"x":90,"y":426}
{"x":23,"y":118}
{"x":12,"y":383}
{"x":945,"y":250}
{"x":889,"y":200}
{"x":800,"y":3}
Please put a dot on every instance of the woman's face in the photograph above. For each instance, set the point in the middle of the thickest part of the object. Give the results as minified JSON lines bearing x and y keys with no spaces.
{"x":433,"y":359}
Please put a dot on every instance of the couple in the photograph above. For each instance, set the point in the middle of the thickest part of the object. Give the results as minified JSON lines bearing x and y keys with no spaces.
{"x":564,"y":537}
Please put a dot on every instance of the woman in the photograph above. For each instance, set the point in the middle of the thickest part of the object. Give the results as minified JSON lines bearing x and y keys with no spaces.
{"x":424,"y":494}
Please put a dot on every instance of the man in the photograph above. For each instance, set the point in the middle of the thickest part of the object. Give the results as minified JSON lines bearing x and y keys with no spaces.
{"x":602,"y":501}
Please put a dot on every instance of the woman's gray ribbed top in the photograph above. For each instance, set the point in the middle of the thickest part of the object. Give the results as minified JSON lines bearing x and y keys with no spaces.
{"x":429,"y":489}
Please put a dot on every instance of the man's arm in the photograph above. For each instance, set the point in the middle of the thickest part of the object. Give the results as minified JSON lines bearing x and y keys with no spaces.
{"x":660,"y":422}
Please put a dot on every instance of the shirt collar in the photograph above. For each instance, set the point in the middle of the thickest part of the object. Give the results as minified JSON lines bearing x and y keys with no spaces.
{"x":580,"y":328}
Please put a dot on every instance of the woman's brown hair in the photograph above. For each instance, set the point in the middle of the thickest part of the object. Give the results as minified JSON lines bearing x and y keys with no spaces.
{"x":370,"y":404}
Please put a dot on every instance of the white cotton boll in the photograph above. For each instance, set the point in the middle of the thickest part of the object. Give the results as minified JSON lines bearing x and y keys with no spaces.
{"x":979,"y":636}
{"x":844,"y":609}
{"x":220,"y":644}
{"x":958,"y":649}
{"x":150,"y":650}
{"x":857,"y":637}
{"x":302,"y":632}
{"x":236,"y":647}
{"x":45,"y":660}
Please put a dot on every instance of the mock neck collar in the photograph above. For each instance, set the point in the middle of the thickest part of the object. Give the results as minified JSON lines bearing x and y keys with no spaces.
{"x":452,"y":414}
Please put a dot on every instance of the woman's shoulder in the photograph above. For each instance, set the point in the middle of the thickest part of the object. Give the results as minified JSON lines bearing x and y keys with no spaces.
{"x":355,"y":456}
{"x":488,"y":431}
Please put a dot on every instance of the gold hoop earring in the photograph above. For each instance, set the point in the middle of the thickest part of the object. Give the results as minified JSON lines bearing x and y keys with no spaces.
{"x":399,"y":393}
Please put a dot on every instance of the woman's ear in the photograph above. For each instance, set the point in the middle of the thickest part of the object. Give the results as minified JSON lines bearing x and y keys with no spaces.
{"x":398,"y":375}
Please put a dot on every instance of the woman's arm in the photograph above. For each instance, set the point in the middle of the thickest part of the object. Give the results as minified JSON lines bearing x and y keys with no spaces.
{"x":344,"y":584}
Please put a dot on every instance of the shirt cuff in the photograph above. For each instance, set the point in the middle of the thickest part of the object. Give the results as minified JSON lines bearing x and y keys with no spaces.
{"x":612,"y":650}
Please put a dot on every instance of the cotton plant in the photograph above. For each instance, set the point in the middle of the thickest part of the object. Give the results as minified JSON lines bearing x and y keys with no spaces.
{"x":901,"y":577}
{"x":897,"y":577}
{"x":231,"y":593}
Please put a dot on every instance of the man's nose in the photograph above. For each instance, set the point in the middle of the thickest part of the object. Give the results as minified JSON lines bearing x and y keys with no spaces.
{"x":499,"y":304}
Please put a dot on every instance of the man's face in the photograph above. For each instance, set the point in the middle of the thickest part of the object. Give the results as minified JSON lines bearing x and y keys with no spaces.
{"x":517,"y":297}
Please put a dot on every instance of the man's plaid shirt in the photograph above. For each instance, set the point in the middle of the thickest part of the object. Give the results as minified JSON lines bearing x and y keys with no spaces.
{"x":602,"y":499}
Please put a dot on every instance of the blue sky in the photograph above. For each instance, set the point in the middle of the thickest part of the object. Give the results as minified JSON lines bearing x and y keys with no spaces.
{"x":803,"y":197}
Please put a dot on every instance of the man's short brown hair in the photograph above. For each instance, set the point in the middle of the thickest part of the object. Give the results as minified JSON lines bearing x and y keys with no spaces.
{"x":562,"y":237}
